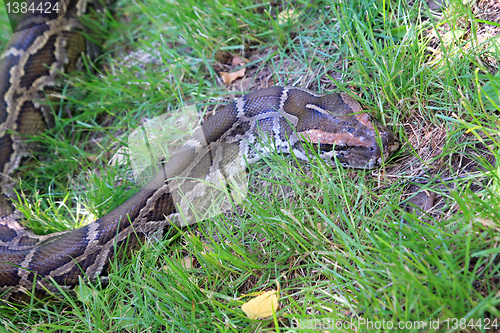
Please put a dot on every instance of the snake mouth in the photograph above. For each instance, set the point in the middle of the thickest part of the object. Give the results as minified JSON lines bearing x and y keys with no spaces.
{"x":349,"y":156}
{"x":357,"y":156}
{"x":346,"y":149}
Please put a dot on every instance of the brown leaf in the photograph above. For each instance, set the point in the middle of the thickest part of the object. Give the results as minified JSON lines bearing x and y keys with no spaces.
{"x":239,"y":61}
{"x":187,"y":263}
{"x":229,"y":78}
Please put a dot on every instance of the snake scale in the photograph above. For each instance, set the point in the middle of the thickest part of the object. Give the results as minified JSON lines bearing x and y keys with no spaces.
{"x":228,"y":140}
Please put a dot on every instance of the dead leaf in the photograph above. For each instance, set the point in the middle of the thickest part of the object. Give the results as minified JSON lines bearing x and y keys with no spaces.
{"x":239,"y":61}
{"x":229,"y":78}
{"x":187,"y":263}
{"x":288,"y":16}
{"x":261,"y":306}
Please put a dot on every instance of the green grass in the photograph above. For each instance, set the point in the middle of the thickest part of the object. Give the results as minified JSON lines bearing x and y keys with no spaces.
{"x":339,"y":244}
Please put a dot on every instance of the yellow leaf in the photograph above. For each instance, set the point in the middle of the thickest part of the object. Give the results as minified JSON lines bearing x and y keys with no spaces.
{"x":288,"y":16}
{"x":261,"y":306}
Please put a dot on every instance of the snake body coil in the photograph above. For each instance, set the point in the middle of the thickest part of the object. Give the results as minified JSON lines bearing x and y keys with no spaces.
{"x":284,"y":115}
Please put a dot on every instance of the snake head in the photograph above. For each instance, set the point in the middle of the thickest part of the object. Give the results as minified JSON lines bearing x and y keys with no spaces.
{"x":354,"y":142}
{"x":382,"y":146}
{"x":344,"y":132}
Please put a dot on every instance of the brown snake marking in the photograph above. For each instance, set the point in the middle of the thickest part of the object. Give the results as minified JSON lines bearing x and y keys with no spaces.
{"x":283,"y":115}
